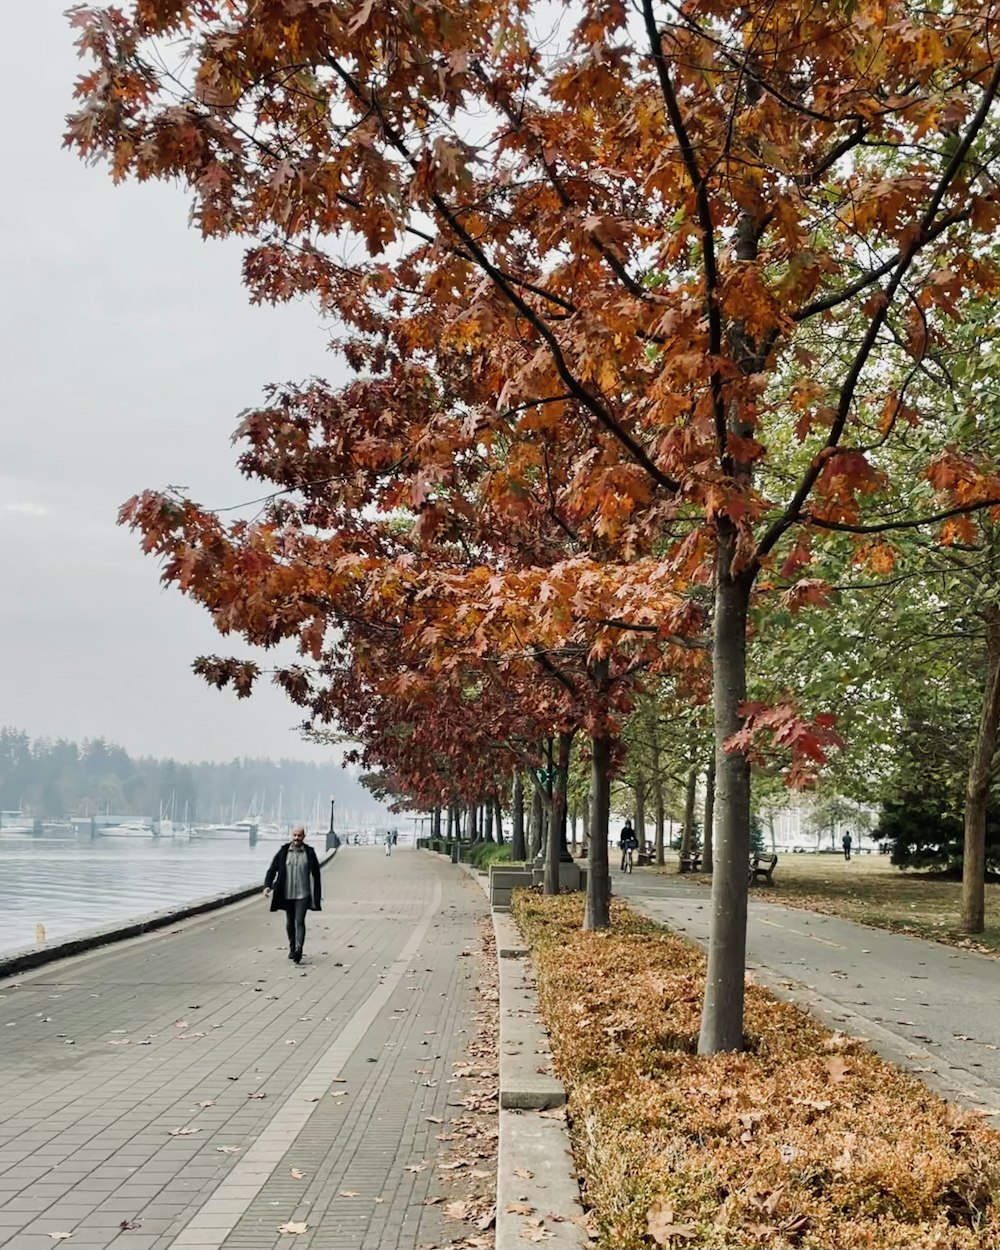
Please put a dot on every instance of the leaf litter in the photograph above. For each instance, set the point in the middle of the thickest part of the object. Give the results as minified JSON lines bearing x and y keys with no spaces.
{"x":807,"y":1139}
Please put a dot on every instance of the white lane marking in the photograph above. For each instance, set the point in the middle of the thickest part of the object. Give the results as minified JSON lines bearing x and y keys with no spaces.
{"x":799,"y":933}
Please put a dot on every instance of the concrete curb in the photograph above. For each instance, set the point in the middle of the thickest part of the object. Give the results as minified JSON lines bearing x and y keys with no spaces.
{"x":534,"y":1137}
{"x":34,"y":957}
{"x":535,"y":1169}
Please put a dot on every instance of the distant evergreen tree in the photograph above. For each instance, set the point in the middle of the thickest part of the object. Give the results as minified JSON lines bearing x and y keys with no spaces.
{"x":54,"y":779}
{"x":925,"y":829}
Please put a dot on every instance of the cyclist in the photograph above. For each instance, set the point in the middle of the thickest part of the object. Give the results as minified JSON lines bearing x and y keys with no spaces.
{"x":629,"y":844}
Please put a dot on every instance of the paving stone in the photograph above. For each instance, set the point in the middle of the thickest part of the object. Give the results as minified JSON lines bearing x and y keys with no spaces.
{"x":384,"y":980}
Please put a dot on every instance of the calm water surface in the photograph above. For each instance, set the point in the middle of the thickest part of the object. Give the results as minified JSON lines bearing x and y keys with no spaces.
{"x":70,"y":884}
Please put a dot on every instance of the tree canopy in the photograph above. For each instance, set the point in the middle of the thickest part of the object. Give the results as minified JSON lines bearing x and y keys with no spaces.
{"x":635,"y":297}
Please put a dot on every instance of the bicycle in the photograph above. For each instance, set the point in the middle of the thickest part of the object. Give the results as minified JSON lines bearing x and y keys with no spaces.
{"x":627,"y":859}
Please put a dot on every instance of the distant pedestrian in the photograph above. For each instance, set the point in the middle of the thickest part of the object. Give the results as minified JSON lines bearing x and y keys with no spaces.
{"x":293,"y":885}
{"x":845,"y":842}
{"x":388,"y":843}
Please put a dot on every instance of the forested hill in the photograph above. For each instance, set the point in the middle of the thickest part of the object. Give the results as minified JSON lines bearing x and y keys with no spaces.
{"x":54,"y":779}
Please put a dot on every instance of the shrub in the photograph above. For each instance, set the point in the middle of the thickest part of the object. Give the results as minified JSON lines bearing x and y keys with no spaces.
{"x":482,"y":854}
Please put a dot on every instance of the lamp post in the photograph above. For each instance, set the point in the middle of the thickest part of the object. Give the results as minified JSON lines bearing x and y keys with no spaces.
{"x":331,"y":838}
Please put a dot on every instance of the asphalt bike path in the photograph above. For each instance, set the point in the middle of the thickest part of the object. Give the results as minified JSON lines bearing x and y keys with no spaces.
{"x":192,"y":1088}
{"x":925,"y":1007}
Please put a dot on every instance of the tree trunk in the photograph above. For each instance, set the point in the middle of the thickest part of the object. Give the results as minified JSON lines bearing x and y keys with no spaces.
{"x":587,"y":809}
{"x":451,"y":821}
{"x":487,"y":820}
{"x":722,"y":1011}
{"x":687,"y":834}
{"x":708,"y":842}
{"x":518,"y":851}
{"x":597,"y":914}
{"x":535,"y":824}
{"x":658,"y":801}
{"x":574,"y":812}
{"x":498,"y":819}
{"x":660,"y":824}
{"x":977,"y":790}
{"x":640,"y":811}
{"x":557,"y":821}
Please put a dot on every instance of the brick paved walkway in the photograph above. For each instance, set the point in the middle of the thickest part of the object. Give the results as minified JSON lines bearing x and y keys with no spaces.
{"x":103,"y":1054}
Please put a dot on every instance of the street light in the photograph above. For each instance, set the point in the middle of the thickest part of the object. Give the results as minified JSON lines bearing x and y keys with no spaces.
{"x":331,"y":838}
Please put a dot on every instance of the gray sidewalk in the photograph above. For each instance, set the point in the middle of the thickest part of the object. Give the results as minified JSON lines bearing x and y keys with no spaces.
{"x":360,"y":1055}
{"x":925,"y":1007}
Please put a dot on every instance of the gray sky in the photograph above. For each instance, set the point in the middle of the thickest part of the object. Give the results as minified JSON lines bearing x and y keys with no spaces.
{"x":128,"y":348}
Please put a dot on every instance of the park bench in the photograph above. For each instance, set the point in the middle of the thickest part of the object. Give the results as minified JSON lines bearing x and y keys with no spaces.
{"x":762,"y":868}
{"x":643,"y":859}
{"x":690,"y":863}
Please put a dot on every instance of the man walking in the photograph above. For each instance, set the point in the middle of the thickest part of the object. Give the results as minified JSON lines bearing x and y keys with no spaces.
{"x":293,"y":884}
{"x":845,"y":842}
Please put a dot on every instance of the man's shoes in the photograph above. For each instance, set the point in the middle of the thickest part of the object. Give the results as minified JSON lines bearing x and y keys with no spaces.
{"x":297,"y":955}
{"x":291,"y":952}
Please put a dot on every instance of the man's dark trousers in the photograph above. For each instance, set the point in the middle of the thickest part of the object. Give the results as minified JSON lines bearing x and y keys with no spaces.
{"x":295,"y":924}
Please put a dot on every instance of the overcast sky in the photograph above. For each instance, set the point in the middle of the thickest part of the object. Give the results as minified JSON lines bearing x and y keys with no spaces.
{"x":128,"y":349}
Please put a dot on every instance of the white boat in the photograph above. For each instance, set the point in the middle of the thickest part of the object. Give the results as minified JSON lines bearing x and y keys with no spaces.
{"x":15,"y":822}
{"x":127,"y":829}
{"x":239,"y":829}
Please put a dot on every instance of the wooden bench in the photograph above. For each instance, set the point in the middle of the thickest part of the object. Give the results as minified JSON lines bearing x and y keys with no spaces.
{"x":690,"y":863}
{"x":762,"y":869}
{"x":643,"y":859}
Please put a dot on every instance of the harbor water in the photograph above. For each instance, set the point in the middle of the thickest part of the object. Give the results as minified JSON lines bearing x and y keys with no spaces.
{"x":69,"y":884}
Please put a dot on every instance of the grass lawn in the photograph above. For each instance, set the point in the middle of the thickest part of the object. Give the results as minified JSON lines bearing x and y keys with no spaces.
{"x":870,"y":890}
{"x":805,"y":1140}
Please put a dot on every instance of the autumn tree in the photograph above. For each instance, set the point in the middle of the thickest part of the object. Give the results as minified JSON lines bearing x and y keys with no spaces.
{"x":647,"y":237}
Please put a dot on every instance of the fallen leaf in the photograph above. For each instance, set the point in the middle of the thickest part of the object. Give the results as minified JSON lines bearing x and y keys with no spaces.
{"x":524,"y":1173}
{"x":183,"y":1132}
{"x":554,"y":1113}
{"x":414,"y":1167}
{"x":125,"y":1225}
{"x":229,"y":1150}
{"x":60,"y":1236}
{"x":486,"y":1221}
{"x":433,"y":1119}
{"x":838,"y":1068}
{"x":347,"y":1193}
{"x":295,"y":1174}
{"x":251,"y":1095}
{"x":456,"y":1210}
{"x":206,"y":1102}
{"x":293,"y":1228}
{"x":661,"y":1227}
{"x":519,"y":1208}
